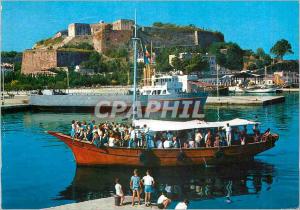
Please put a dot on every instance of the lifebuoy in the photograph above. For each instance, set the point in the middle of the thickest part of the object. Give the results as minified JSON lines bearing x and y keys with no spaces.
{"x":181,"y":157}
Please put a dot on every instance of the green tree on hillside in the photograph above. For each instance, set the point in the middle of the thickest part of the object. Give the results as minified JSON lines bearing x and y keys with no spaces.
{"x":228,"y":55}
{"x":178,"y":64}
{"x":281,"y":48}
{"x":263,"y":59}
{"x":197,"y":63}
{"x":95,"y":62}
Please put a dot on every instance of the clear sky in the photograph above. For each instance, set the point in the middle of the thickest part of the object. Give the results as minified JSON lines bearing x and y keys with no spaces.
{"x":250,"y":24}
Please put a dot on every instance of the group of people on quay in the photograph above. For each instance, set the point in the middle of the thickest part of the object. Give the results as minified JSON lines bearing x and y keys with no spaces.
{"x":113,"y":134}
{"x":136,"y":185}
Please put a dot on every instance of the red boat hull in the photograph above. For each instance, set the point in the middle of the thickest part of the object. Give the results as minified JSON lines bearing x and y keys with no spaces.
{"x":86,"y":153}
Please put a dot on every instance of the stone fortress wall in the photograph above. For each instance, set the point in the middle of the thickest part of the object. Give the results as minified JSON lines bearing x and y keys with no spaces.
{"x":106,"y":36}
{"x":38,"y":60}
{"x":78,"y":29}
{"x":35,"y":61}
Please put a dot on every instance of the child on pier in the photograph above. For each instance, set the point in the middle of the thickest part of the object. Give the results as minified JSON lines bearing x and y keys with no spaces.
{"x":135,"y":186}
{"x":119,"y":191}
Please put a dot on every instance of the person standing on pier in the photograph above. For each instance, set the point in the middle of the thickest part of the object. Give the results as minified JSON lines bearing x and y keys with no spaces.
{"x":148,"y":182}
{"x":228,"y":129}
{"x":119,"y":191}
{"x":135,"y":185}
{"x":182,"y":205}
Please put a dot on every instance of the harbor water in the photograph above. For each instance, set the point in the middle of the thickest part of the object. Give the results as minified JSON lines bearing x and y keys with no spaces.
{"x":39,"y":171}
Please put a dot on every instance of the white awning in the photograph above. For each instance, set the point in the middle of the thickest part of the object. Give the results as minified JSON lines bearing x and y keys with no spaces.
{"x":160,"y":125}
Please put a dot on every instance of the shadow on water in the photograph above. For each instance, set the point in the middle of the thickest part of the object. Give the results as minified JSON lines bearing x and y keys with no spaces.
{"x":194,"y":183}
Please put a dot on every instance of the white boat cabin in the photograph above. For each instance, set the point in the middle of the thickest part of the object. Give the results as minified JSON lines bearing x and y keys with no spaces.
{"x":163,"y":85}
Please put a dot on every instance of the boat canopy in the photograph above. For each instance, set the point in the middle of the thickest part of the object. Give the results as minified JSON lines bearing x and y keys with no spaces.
{"x":161,"y":125}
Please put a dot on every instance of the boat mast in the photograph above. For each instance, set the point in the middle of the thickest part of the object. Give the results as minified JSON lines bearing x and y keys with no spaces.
{"x":134,"y":68}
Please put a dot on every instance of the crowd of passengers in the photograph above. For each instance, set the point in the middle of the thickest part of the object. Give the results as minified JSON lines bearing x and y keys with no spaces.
{"x":113,"y":134}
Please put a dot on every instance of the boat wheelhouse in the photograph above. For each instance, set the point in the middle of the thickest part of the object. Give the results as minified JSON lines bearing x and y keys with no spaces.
{"x":163,"y":85}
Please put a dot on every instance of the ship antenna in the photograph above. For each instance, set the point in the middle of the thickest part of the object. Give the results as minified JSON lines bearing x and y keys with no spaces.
{"x":135,"y":39}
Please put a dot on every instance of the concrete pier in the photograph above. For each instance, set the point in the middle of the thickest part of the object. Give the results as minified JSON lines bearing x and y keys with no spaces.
{"x":244,"y":100}
{"x":15,"y":104}
{"x":23,"y":103}
{"x":290,"y":89}
{"x":103,"y":203}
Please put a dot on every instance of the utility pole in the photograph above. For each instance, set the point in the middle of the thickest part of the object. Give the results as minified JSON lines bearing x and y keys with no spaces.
{"x":2,"y":74}
{"x":134,"y":68}
{"x":68,"y":82}
{"x":218,"y":81}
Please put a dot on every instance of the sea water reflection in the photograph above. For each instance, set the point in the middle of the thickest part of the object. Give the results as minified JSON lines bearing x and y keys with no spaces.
{"x":195,"y":183}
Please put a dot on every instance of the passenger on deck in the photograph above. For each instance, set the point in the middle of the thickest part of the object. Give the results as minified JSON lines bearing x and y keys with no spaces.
{"x":146,"y":136}
{"x":228,"y":130}
{"x":106,"y":138}
{"x":78,"y":130}
{"x":266,"y":134}
{"x":217,"y":141}
{"x":192,"y":143}
{"x":139,"y":138}
{"x":164,"y":135}
{"x":111,"y":140}
{"x":73,"y":129}
{"x":185,"y":144}
{"x":167,"y":144}
{"x":256,"y":129}
{"x":88,"y":134}
{"x":158,"y":142}
{"x":91,"y":125}
{"x":126,"y":137}
{"x":256,"y":137}
{"x":101,"y":138}
{"x":84,"y":125}
{"x":169,"y":136}
{"x":132,"y":140}
{"x":198,"y":138}
{"x":96,"y":140}
{"x":208,"y":138}
{"x":175,"y":143}
{"x":245,"y":129}
{"x":236,"y":134}
{"x":243,"y":138}
{"x":150,"y":143}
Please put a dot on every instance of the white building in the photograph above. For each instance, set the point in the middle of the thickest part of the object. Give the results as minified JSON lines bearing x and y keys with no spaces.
{"x":213,"y":67}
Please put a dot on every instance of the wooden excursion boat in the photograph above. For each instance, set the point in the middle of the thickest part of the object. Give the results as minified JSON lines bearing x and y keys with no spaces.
{"x":86,"y":153}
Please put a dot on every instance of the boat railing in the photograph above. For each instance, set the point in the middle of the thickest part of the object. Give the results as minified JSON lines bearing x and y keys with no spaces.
{"x":234,"y":143}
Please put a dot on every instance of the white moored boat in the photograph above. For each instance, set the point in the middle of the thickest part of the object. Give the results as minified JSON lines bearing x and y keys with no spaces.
{"x":236,"y":89}
{"x":261,"y":89}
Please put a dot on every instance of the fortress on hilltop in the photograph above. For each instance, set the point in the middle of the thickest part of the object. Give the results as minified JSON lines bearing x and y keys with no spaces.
{"x":65,"y":47}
